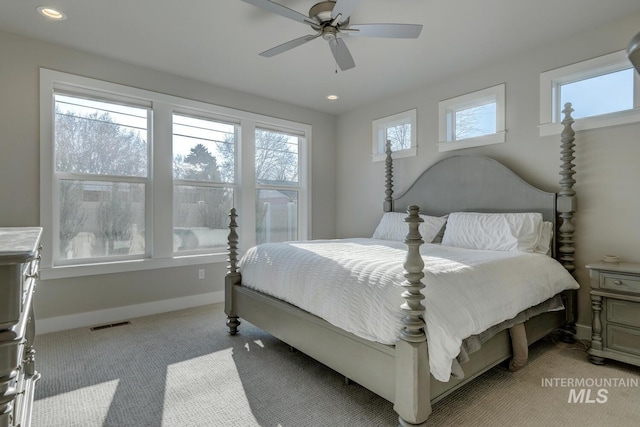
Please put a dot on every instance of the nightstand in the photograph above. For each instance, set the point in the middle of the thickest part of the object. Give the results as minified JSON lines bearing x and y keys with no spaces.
{"x":615,"y":301}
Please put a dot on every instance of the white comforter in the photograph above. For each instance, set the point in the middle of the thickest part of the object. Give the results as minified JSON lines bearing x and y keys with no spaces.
{"x":354,"y":284}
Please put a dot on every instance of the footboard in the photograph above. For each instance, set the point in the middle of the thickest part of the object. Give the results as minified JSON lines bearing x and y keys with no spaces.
{"x":401,"y":372}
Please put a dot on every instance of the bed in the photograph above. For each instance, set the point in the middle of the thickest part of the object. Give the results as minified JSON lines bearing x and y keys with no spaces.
{"x":406,"y":369}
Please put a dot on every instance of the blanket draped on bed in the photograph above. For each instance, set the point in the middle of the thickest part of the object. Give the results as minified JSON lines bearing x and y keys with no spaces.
{"x":354,"y":284}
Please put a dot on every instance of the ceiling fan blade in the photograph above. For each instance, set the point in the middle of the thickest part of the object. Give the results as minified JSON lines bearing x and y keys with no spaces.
{"x":281,"y":10}
{"x":341,"y":54}
{"x":344,"y":8}
{"x":401,"y":31}
{"x":289,"y":45}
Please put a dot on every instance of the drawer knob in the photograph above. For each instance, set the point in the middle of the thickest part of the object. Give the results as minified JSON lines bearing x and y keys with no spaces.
{"x":618,"y":282}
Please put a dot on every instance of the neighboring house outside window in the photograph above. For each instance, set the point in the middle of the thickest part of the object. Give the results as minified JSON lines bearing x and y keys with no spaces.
{"x":133,"y":179}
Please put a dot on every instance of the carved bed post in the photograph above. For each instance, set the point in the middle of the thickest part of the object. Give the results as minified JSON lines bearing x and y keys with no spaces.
{"x":412,"y":398}
{"x":567,"y":209}
{"x":233,"y":275}
{"x":388,"y":165}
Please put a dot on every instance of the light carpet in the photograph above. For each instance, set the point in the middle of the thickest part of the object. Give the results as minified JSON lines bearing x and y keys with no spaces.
{"x":183,"y":369}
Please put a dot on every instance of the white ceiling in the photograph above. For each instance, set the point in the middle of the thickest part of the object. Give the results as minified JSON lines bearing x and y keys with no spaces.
{"x":218,"y":41}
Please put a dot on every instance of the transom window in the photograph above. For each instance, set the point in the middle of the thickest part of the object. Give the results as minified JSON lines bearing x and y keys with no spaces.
{"x":400,"y":130}
{"x":472,"y":120}
{"x":603,"y":91}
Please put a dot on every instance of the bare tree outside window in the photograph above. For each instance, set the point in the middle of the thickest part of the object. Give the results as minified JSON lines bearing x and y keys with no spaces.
{"x":400,"y":136}
{"x":276,"y":157}
{"x":475,"y":121}
{"x":72,"y":214}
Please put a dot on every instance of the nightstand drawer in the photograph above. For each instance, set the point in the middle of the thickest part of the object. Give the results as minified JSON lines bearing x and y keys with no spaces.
{"x":621,"y":282}
{"x":623,"y":339}
{"x":624,"y":312}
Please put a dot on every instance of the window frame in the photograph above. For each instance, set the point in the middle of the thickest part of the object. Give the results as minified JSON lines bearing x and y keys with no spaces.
{"x":446,"y":125}
{"x":552,"y":80}
{"x":159,"y":244}
{"x":379,"y":135}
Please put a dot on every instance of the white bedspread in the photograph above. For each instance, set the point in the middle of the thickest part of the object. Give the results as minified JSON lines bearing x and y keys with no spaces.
{"x":354,"y":284}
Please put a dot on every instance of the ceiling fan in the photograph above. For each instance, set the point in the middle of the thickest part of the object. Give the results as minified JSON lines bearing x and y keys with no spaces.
{"x":329,"y":19}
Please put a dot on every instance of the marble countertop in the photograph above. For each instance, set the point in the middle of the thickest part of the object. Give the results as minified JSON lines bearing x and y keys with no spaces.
{"x":18,"y":244}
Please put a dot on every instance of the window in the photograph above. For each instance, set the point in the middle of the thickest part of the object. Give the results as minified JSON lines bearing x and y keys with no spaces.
{"x":603,"y":91}
{"x":472,"y":120}
{"x":101,"y":175}
{"x":203,"y":177}
{"x":277,"y":169}
{"x":400,"y":130}
{"x":133,"y":179}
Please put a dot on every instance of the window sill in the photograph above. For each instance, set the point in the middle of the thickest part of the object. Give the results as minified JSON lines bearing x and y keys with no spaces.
{"x":62,"y":272}
{"x":410,"y":152}
{"x":496,"y":138}
{"x":594,"y":122}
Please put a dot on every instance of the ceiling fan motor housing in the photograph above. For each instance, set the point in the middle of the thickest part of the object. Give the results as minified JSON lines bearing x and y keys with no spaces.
{"x":321,"y":12}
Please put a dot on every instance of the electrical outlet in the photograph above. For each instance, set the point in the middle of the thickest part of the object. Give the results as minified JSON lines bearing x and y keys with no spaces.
{"x":201,"y":273}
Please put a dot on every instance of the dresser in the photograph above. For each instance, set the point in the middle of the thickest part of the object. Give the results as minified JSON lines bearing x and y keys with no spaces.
{"x":19,"y":261}
{"x":615,"y":301}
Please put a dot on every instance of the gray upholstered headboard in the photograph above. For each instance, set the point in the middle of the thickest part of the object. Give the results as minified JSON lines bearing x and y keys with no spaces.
{"x":474,"y":184}
{"x":471,"y":183}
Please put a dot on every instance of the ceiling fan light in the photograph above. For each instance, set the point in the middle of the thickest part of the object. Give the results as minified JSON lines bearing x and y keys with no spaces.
{"x":51,"y":13}
{"x":333,"y":97}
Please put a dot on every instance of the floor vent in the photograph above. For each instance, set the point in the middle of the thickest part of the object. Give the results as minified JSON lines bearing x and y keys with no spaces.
{"x":110,"y":325}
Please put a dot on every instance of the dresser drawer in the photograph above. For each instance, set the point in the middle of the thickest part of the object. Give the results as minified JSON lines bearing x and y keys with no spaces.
{"x":12,"y":280}
{"x":623,"y":312}
{"x":623,"y":339}
{"x":621,"y":282}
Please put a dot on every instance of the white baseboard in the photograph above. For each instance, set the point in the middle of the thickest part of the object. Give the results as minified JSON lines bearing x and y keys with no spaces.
{"x":117,"y":314}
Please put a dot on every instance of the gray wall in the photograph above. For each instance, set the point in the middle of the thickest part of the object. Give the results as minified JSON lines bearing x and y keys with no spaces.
{"x":20,"y":59}
{"x":607,"y":169}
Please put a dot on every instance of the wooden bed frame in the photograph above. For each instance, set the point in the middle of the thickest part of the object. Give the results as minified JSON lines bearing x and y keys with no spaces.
{"x":400,"y":373}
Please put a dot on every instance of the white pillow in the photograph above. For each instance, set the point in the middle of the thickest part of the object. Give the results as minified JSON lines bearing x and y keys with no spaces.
{"x":494,"y":231}
{"x":546,"y":238}
{"x":393,"y":227}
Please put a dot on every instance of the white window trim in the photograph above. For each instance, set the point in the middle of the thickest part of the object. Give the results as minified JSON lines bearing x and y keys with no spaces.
{"x":161,"y":242}
{"x":551,"y":110}
{"x":379,"y":127}
{"x":447,"y":107}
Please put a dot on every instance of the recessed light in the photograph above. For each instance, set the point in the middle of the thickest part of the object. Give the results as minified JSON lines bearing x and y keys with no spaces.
{"x":51,"y":13}
{"x":332,"y":97}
